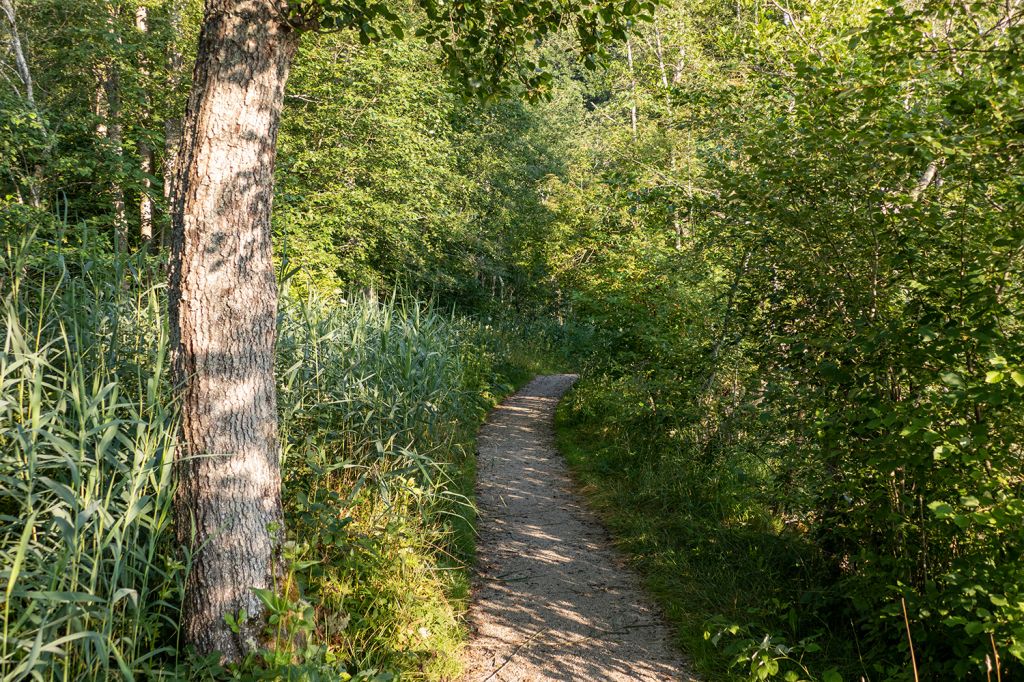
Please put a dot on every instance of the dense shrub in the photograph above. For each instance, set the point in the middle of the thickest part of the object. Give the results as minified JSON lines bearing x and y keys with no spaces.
{"x":831,"y":360}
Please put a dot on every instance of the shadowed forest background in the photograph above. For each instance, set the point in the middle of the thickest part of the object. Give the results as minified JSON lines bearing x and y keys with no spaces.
{"x":780,"y":241}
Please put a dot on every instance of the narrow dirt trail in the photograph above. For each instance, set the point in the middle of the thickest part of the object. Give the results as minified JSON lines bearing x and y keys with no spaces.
{"x":552,"y":599}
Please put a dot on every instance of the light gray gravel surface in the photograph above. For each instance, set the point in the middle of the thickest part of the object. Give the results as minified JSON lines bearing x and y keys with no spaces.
{"x":552,"y":599}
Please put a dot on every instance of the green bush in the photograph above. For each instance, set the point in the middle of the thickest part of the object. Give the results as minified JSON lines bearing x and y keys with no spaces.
{"x":821,"y":387}
{"x":380,"y":402}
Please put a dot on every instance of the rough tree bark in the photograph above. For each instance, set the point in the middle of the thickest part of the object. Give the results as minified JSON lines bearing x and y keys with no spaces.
{"x":223,"y":301}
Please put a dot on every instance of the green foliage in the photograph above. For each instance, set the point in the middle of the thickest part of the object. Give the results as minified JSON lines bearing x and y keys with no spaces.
{"x":379,"y":403}
{"x":384,"y":181}
{"x":696,"y":509}
{"x":781,"y":239}
{"x":804,"y":281}
{"x":58,"y":147}
{"x":484,"y":46}
{"x":417,"y":185}
{"x":87,"y":434}
{"x":895,"y":316}
{"x":380,"y":400}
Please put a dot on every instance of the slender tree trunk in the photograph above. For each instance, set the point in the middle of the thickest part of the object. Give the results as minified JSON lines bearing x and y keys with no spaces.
{"x":146,"y":158}
{"x":112,"y":87}
{"x":172,"y":126}
{"x":107,"y":107}
{"x":172,"y":145}
{"x":677,"y":72}
{"x":20,"y":63}
{"x":146,"y":161}
{"x":223,"y":307}
{"x":926,"y":179}
{"x":632,"y":87}
{"x":677,"y":224}
{"x":661,"y":57}
{"x":35,"y":180}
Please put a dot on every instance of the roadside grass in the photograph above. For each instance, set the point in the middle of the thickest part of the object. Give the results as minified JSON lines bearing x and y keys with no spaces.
{"x":732,"y":580}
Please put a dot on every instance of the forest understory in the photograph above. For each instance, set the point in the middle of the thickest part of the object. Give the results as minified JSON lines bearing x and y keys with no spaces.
{"x":779,"y":240}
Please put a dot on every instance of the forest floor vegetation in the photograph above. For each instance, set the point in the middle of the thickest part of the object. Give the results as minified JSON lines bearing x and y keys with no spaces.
{"x":379,"y":404}
{"x":730,"y":577}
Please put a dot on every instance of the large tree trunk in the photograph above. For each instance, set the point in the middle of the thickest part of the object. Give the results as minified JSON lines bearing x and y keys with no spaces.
{"x":223,"y":301}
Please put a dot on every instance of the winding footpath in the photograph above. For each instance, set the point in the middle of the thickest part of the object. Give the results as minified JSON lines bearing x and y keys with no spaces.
{"x":552,"y":599}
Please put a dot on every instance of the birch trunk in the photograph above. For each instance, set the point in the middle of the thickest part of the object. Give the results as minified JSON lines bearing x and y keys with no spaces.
{"x":146,"y":161}
{"x":146,"y":158}
{"x":632,"y":87}
{"x":20,"y":63}
{"x":661,"y":57}
{"x":35,"y":180}
{"x":223,"y":305}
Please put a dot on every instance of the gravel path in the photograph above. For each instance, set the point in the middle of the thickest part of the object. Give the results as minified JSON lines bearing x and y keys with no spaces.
{"x":552,"y":599}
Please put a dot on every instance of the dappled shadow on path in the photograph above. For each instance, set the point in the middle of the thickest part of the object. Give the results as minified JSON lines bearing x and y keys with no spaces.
{"x":552,"y":599}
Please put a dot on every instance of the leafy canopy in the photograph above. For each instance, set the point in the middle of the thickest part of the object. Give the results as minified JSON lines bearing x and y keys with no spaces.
{"x":484,"y":44}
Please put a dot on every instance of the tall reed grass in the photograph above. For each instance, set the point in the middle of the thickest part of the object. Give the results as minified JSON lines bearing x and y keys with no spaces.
{"x":90,"y":588}
{"x":379,"y":403}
